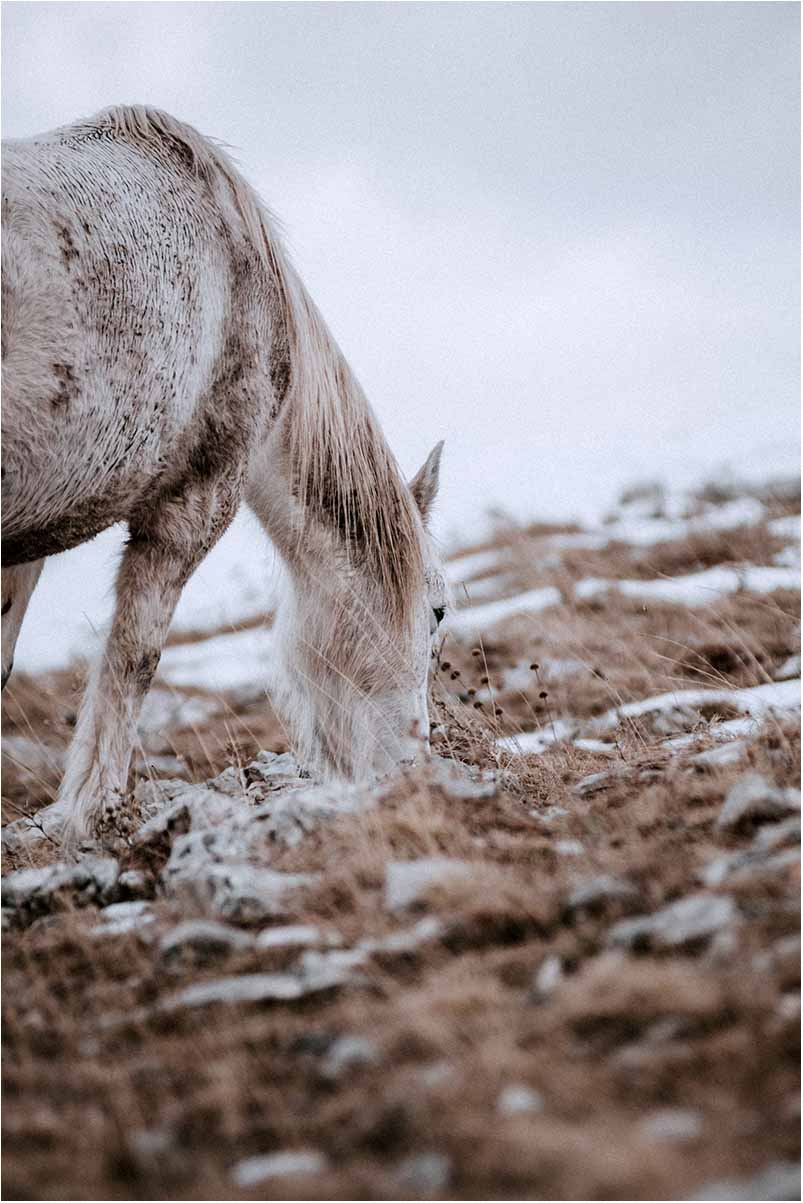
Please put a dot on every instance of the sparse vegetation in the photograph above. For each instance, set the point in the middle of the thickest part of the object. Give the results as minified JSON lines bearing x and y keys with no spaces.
{"x":515,"y":1048}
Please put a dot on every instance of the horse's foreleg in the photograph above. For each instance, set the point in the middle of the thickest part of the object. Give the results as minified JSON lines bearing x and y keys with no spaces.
{"x":19,"y":583}
{"x":164,"y":549}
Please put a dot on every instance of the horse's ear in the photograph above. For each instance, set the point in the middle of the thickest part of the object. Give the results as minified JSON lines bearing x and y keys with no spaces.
{"x":424,"y":485}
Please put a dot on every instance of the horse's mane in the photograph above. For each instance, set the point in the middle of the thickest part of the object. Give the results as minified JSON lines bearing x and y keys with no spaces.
{"x":342,"y":469}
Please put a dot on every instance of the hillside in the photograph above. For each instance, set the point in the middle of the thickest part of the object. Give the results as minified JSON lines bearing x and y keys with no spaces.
{"x":561,"y":960}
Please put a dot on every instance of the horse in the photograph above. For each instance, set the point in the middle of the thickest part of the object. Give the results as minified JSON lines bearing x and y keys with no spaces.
{"x":162,"y":365}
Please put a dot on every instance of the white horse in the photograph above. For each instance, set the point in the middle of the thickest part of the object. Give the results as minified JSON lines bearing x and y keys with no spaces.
{"x":162,"y":363}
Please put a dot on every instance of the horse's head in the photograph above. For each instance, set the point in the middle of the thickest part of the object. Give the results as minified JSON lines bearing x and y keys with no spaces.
{"x":354,"y":660}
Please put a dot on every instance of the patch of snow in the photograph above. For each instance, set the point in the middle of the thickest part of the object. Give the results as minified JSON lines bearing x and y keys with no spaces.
{"x":242,"y":658}
{"x":164,"y":709}
{"x":697,"y":588}
{"x":475,"y":619}
{"x":463,"y":569}
{"x":787,"y":527}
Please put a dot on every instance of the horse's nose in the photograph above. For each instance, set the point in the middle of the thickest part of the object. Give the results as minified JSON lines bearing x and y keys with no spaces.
{"x":6,"y":675}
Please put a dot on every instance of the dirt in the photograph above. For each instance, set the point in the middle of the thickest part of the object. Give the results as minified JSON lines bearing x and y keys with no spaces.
{"x":650,"y":1070}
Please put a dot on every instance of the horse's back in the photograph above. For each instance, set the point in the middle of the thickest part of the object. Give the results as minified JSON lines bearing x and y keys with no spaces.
{"x":118,"y":261}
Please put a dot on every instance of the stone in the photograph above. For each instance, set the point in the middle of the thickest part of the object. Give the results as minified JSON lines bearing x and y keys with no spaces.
{"x":569,"y":848}
{"x":753,"y":797}
{"x":547,"y":977}
{"x":289,"y":818}
{"x":93,"y":880}
{"x":671,"y":1125}
{"x":120,"y":918}
{"x":424,"y":1173}
{"x":349,"y":1052}
{"x":743,"y":868}
{"x":691,"y":920}
{"x":407,"y":882}
{"x":236,"y":891}
{"x":789,"y":670}
{"x":293,"y":936}
{"x":778,"y":835}
{"x":597,"y":890}
{"x":424,"y":932}
{"x":722,"y":754}
{"x":778,"y":1180}
{"x":518,"y":1098}
{"x":133,"y":884}
{"x":204,"y":939}
{"x":253,"y":1170}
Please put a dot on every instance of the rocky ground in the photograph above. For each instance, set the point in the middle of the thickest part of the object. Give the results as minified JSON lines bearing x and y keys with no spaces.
{"x":560,"y":961}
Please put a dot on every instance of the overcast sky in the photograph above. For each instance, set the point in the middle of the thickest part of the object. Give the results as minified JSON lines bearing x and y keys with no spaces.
{"x":565,"y":237}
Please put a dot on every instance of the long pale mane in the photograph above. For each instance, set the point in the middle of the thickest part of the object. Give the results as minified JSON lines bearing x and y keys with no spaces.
{"x":342,"y":468}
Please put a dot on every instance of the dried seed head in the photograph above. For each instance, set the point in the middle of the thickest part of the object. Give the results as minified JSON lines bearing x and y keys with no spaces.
{"x":543,"y":694}
{"x":445,"y":665}
{"x":483,"y":680}
{"x":453,"y":676}
{"x":475,"y":651}
{"x":499,"y":712}
{"x":478,"y":705}
{"x":534,"y":667}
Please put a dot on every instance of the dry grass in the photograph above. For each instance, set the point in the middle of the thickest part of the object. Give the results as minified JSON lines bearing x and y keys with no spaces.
{"x":162,"y":1106}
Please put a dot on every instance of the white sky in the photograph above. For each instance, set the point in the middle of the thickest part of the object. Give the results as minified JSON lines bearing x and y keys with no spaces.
{"x":565,"y":237}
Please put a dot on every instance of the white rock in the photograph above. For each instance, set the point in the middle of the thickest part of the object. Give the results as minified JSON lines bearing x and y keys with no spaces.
{"x":437,"y":1073}
{"x":204,"y":937}
{"x":123,"y":917}
{"x":92,"y":880}
{"x":727,"y":753}
{"x":293,"y":936}
{"x":424,"y":1173}
{"x":603,"y":887}
{"x":694,"y":918}
{"x":778,"y":1180}
{"x":739,"y":868}
{"x":753,"y":797}
{"x":253,"y":1170}
{"x":518,"y":1098}
{"x":427,"y":929}
{"x":289,"y":818}
{"x":407,"y":882}
{"x":569,"y":848}
{"x":777,"y":835}
{"x":349,"y":1052}
{"x":671,"y":1125}
{"x":239,"y":892}
{"x":548,"y":976}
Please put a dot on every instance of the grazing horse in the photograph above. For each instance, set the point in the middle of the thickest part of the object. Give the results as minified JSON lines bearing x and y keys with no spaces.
{"x":162,"y":363}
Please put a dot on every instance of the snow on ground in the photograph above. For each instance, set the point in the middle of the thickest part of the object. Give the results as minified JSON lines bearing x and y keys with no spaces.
{"x":234,"y":661}
{"x":479,"y":618}
{"x":698,"y":588}
{"x":756,"y":703}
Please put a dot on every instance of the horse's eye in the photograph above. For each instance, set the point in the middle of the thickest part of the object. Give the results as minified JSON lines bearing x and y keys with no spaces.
{"x":439,"y":612}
